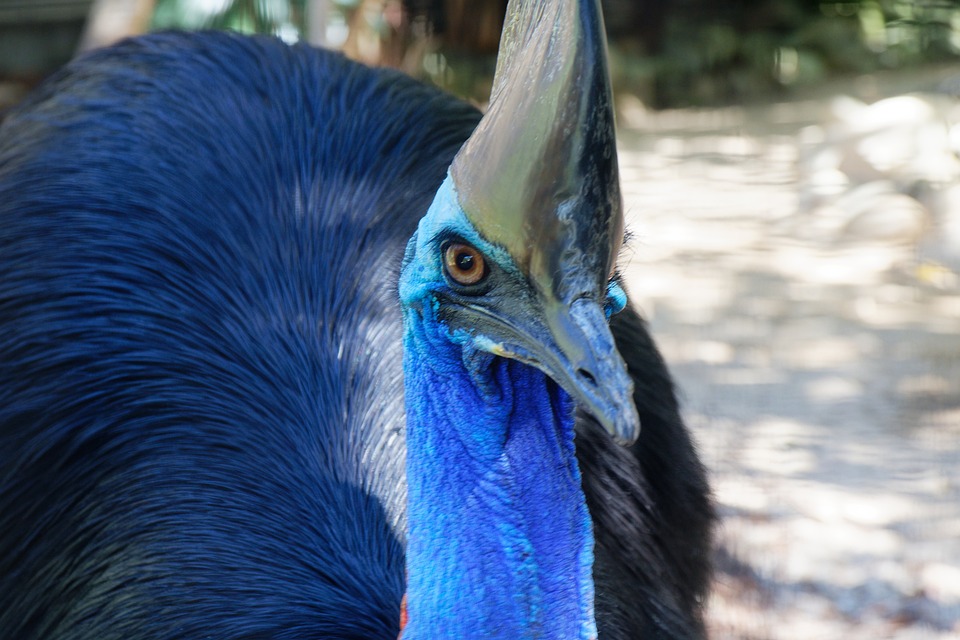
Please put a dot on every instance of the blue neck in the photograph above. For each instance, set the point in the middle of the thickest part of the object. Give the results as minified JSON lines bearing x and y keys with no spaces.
{"x":500,"y":541}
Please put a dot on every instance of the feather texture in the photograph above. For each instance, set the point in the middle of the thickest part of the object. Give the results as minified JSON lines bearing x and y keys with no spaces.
{"x":201,"y":395}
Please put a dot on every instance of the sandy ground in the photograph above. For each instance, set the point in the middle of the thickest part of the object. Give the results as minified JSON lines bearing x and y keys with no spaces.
{"x":817,"y":347}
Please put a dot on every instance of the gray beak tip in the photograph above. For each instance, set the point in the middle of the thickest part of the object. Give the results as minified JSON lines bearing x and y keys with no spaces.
{"x":626,"y":429}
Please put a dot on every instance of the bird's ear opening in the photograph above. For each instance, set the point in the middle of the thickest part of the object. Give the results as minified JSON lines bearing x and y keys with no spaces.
{"x":616,"y":298}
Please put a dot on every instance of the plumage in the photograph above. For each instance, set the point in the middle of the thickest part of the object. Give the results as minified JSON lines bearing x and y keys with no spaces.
{"x":201,"y":383}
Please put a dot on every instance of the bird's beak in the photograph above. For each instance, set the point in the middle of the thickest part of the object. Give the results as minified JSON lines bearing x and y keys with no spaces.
{"x":572,"y":344}
{"x":581,"y":355}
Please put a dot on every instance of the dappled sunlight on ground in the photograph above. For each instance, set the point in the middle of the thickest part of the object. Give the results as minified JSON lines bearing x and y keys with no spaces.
{"x":818,"y":357}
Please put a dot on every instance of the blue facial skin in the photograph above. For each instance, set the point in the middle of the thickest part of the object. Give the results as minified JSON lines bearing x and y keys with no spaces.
{"x":616,"y":299}
{"x":500,"y":541}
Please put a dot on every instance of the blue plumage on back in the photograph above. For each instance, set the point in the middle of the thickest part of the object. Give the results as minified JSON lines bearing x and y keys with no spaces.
{"x":200,"y":379}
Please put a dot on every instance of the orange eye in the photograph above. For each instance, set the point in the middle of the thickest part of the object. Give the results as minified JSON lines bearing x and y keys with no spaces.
{"x":464,"y":263}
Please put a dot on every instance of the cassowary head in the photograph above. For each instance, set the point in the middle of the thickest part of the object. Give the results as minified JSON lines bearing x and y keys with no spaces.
{"x":517,"y":251}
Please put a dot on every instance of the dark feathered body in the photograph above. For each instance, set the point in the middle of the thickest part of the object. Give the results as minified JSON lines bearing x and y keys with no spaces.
{"x":201,"y":399}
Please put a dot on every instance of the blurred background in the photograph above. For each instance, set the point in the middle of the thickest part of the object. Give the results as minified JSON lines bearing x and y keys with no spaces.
{"x":790,"y":171}
{"x":668,"y":53}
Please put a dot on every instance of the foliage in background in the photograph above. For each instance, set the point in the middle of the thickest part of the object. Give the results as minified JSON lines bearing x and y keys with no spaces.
{"x":284,"y":18}
{"x":668,"y":52}
{"x":727,"y":51}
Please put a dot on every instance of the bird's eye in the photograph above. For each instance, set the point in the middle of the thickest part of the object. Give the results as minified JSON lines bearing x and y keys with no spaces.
{"x":464,"y":264}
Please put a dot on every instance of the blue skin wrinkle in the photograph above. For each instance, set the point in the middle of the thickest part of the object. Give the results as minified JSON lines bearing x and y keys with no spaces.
{"x":500,"y":540}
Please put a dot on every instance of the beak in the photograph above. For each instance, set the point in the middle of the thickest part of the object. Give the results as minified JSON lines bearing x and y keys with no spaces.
{"x":572,"y":344}
{"x":586,"y":363}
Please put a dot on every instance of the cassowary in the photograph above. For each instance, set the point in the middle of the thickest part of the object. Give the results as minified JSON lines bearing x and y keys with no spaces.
{"x":277,"y":354}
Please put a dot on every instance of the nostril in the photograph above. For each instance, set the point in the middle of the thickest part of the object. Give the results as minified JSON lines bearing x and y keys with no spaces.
{"x":587,"y":376}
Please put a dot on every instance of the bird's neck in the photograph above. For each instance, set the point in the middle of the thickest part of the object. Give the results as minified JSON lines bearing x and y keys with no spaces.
{"x":500,"y":541}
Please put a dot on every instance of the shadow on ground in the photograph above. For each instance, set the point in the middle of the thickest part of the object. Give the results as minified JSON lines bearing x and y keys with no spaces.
{"x":808,"y":302}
